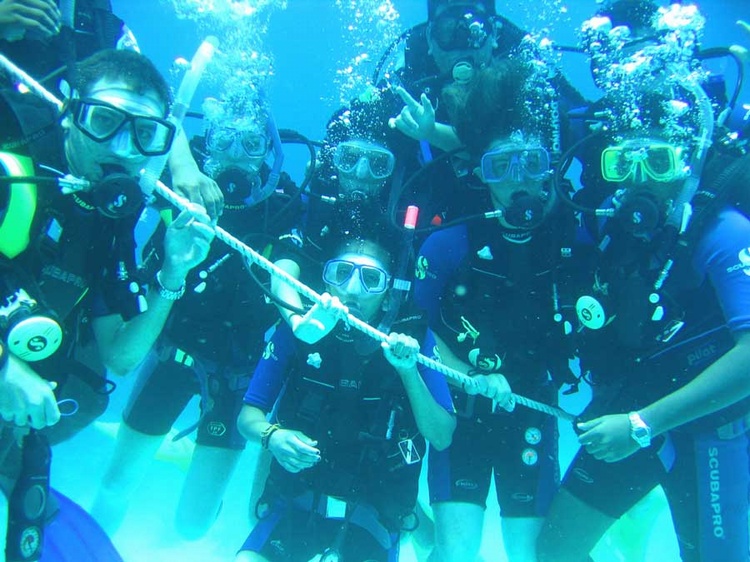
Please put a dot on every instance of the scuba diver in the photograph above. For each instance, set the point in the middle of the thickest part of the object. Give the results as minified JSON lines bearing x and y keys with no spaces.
{"x":350,"y":195}
{"x":661,"y":324}
{"x":68,"y":261}
{"x":459,"y":39}
{"x":214,"y":336}
{"x":46,"y":38}
{"x":489,"y":290}
{"x":348,"y":432}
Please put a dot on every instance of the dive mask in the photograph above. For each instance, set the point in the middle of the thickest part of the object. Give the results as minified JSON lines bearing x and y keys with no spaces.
{"x":380,"y":162}
{"x":460,"y":29}
{"x":222,"y":139}
{"x":102,"y":121}
{"x":514,"y":164}
{"x":337,"y":272}
{"x":641,"y":161}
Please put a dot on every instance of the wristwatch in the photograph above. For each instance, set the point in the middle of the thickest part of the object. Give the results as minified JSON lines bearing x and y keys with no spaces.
{"x":639,"y":430}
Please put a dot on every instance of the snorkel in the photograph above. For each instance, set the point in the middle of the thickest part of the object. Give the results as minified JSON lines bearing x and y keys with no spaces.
{"x":153,"y":170}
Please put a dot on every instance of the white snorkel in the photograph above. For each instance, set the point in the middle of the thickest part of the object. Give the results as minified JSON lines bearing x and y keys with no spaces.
{"x":153,"y":170}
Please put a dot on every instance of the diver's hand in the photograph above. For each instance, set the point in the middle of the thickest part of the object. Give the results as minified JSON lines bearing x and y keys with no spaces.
{"x":401,"y":351}
{"x":26,"y":399}
{"x":199,"y":188}
{"x":293,"y":450}
{"x":319,"y":320}
{"x":186,"y":244}
{"x":38,"y":19}
{"x":417,"y":118}
{"x":608,"y":438}
{"x":495,"y":387}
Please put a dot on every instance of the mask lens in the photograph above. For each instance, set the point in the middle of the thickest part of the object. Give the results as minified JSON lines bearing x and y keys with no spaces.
{"x":661,"y":163}
{"x":254,"y":144}
{"x":535,"y":162}
{"x":337,"y":272}
{"x":100,"y":121}
{"x":373,"y":278}
{"x":220,"y":139}
{"x":615,"y":166}
{"x":152,"y":136}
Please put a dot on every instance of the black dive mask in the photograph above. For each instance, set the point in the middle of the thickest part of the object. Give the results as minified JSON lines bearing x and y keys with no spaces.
{"x":116,"y":195}
{"x":526,"y":212}
{"x":241,"y":188}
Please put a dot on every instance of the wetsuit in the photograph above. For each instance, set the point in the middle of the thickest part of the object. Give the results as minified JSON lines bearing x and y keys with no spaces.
{"x":490,"y":299}
{"x":356,"y":408}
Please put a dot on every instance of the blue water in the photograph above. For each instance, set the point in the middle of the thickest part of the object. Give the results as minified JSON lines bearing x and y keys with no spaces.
{"x":306,"y":41}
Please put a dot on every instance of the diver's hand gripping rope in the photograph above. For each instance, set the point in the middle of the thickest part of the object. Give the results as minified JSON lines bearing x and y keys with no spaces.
{"x":462,"y":379}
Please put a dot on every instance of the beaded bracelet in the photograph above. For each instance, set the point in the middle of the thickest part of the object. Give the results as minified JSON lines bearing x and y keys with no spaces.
{"x":166,"y":293}
{"x":265,"y":435}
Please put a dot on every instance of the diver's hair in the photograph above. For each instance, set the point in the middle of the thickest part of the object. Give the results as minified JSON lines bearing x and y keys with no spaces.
{"x":631,"y":13}
{"x":433,"y":5}
{"x":491,"y":106}
{"x":370,"y":246}
{"x":134,"y":69}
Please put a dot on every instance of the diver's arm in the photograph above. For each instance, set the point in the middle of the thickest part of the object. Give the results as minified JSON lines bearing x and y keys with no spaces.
{"x":723,"y":383}
{"x":435,"y":423}
{"x":124,"y":344}
{"x":251,"y":423}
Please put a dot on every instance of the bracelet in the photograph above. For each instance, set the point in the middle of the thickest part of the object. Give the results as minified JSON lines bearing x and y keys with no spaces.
{"x":265,"y":435}
{"x":166,"y":293}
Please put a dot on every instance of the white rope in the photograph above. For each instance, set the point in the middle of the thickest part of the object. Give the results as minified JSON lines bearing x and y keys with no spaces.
{"x":465,"y":381}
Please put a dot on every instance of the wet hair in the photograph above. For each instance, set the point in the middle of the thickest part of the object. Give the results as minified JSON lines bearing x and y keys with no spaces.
{"x":433,"y":5}
{"x":134,"y":69}
{"x":491,"y":106}
{"x":635,"y":14}
{"x":374,"y":247}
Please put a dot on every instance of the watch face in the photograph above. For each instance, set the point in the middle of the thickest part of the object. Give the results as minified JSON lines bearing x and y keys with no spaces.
{"x":640,"y":433}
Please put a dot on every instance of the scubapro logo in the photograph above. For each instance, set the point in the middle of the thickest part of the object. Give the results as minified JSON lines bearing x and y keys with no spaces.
{"x":714,"y":484}
{"x":744,"y":265}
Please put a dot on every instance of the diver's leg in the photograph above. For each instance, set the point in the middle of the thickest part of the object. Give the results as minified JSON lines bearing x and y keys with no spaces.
{"x":207,"y":479}
{"x":572,"y":529}
{"x":162,"y":391}
{"x":134,"y":452}
{"x":520,"y":536}
{"x":458,"y":531}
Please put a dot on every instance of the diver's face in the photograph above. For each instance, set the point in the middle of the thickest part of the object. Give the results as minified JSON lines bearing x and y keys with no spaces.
{"x":363,"y":169}
{"x":240,"y":148}
{"x":515,"y":171}
{"x":460,"y":33}
{"x":359,"y":281}
{"x":93,"y":160}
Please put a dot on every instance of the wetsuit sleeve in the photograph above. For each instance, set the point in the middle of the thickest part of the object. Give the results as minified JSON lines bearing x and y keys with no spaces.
{"x":272,"y":370}
{"x":723,"y":256}
{"x":438,"y":258}
{"x":435,"y":382}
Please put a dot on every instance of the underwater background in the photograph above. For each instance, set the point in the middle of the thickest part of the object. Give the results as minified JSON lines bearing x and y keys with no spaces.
{"x":310,"y":55}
